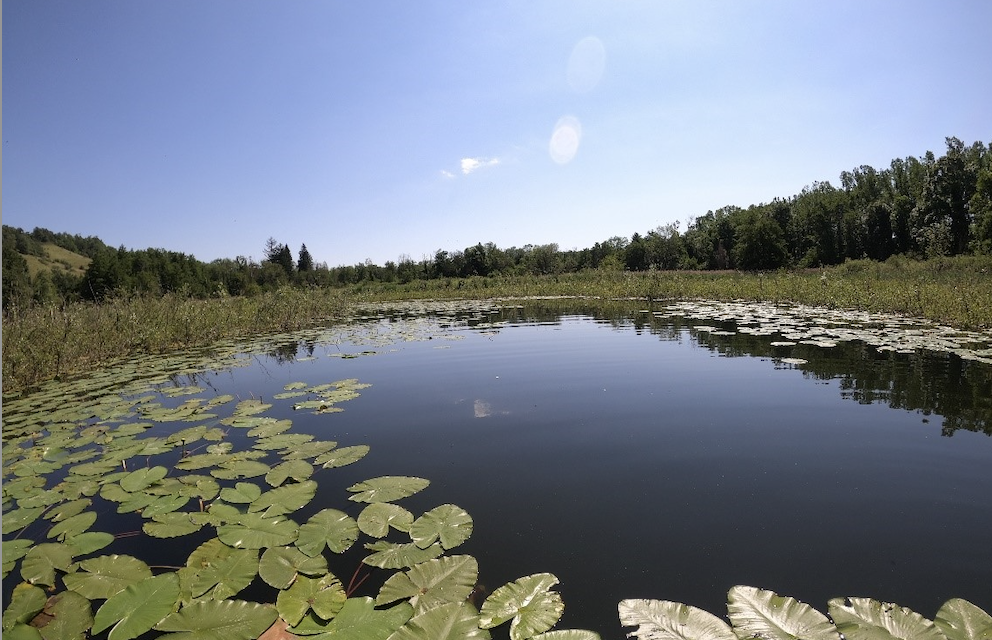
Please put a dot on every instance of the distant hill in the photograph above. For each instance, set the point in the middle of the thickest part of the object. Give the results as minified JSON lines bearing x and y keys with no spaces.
{"x":56,"y":258}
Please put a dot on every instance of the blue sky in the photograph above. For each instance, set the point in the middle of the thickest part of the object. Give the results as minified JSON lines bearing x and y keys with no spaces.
{"x":376,"y":129}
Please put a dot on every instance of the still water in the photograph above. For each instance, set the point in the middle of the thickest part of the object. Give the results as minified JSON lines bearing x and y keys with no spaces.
{"x":634,"y":456}
{"x":652,"y":453}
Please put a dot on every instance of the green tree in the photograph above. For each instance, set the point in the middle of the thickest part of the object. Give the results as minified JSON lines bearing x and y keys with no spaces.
{"x":759,"y":243}
{"x":305,"y":262}
{"x":16,"y":281}
{"x":942,"y":220}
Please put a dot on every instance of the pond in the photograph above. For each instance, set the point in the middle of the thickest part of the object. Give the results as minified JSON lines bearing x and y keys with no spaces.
{"x":666,"y":451}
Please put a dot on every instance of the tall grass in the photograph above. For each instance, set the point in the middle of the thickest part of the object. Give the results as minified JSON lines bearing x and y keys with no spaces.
{"x":45,"y":342}
{"x":954,"y":291}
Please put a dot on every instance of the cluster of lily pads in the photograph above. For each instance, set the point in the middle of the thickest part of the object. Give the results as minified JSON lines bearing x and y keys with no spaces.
{"x":74,"y":470}
{"x":825,"y":328}
{"x":759,"y":613}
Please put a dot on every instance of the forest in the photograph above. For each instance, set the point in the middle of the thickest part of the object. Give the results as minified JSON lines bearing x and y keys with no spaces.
{"x":920,"y":208}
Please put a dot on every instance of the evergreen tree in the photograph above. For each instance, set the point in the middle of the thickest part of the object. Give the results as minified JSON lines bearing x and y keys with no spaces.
{"x":305,"y":263}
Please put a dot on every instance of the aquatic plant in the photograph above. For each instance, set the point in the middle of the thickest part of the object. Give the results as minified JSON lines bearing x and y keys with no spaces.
{"x":759,"y":613}
{"x":231,"y":491}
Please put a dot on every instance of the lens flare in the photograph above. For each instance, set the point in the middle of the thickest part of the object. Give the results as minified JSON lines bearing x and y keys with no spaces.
{"x":565,"y":140}
{"x":586,"y":64}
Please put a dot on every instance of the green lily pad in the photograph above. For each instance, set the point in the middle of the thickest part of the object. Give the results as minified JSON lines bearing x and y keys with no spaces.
{"x":528,"y":601}
{"x":324,"y":595}
{"x":104,"y":576}
{"x":228,"y":576}
{"x":376,"y":519}
{"x":220,"y":620}
{"x":358,"y":619}
{"x":25,"y":603}
{"x":68,"y":616}
{"x":666,"y":619}
{"x":391,"y":555}
{"x":241,"y":493}
{"x":868,"y":619}
{"x":432,"y":583}
{"x":143,"y":478}
{"x":450,"y":621}
{"x":764,"y":614}
{"x":68,"y":509}
{"x":342,"y":457}
{"x":298,"y":470}
{"x":41,"y":561}
{"x":279,"y":566}
{"x":387,"y":488}
{"x":87,"y":543}
{"x":138,"y":608}
{"x":335,"y":529}
{"x":171,"y":525}
{"x":256,"y":531}
{"x":73,"y":526}
{"x":448,"y":523}
{"x":961,"y":620}
{"x":20,"y":518}
{"x":285,"y":499}
{"x":242,"y":469}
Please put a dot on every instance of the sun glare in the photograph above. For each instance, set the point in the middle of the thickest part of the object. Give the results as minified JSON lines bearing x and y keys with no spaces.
{"x":565,"y":140}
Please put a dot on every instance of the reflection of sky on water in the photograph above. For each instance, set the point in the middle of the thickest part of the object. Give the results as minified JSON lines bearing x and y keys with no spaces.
{"x":636,"y":467}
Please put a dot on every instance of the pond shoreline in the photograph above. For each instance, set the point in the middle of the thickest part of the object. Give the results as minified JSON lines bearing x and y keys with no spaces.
{"x":42,"y":343}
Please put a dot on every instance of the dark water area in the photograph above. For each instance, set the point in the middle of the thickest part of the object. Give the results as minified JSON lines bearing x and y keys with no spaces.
{"x":635,"y":457}
{"x":638,"y":455}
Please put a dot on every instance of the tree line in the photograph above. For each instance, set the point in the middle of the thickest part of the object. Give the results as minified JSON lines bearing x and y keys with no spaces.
{"x":917,"y":207}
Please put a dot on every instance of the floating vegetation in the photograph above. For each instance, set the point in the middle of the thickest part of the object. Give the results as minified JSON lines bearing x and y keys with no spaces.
{"x":825,"y":328}
{"x":759,"y":613}
{"x":234,"y":485}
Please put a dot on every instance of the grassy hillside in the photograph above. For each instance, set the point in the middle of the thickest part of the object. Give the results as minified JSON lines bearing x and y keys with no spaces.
{"x":57,"y":259}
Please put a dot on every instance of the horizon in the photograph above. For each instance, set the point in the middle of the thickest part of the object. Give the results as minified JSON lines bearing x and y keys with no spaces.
{"x":384,"y":130}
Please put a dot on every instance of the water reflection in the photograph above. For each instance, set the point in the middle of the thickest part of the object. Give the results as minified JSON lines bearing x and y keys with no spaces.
{"x":924,"y":381}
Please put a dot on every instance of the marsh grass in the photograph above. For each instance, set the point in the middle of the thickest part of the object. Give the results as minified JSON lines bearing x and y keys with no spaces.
{"x":45,"y":342}
{"x":42,"y":342}
{"x":956,"y":291}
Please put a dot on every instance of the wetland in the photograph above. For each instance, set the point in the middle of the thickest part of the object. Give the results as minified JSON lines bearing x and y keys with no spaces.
{"x":633,"y":450}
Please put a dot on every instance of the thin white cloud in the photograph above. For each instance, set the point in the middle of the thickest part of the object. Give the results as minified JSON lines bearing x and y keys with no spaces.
{"x":474,"y":164}
{"x":447,"y":175}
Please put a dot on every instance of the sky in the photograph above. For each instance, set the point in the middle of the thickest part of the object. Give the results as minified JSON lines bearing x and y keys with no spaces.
{"x":380,"y":130}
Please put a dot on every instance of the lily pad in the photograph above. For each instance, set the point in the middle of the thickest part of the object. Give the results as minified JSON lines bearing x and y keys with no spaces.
{"x":324,"y":595}
{"x":448,"y":523}
{"x":255,"y":531}
{"x":358,"y":619}
{"x":343,"y":456}
{"x":387,"y":488}
{"x":227,"y":576}
{"x":432,"y":583}
{"x":961,"y":620}
{"x":528,"y":601}
{"x":672,"y":621}
{"x":764,"y":614}
{"x":138,"y":608}
{"x":376,"y":519}
{"x":391,"y":555}
{"x":220,"y":620}
{"x":335,"y":529}
{"x":279,"y":566}
{"x":868,"y":619}
{"x":102,"y":577}
{"x":451,"y":621}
